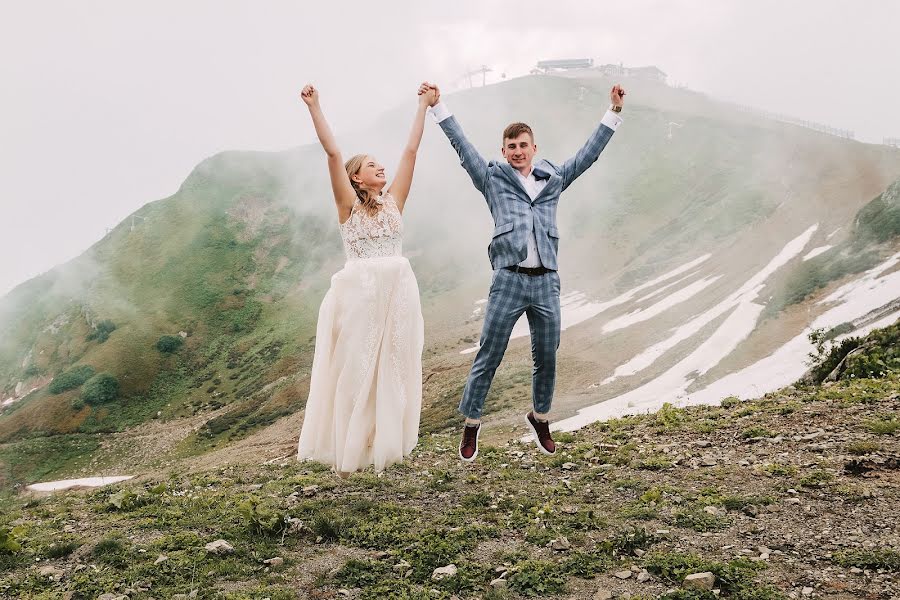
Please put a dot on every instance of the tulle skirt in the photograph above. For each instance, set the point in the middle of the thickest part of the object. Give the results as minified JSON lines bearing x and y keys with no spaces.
{"x":365,"y":396}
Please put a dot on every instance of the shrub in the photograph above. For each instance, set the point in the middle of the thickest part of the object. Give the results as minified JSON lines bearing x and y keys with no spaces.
{"x":537,"y":578}
{"x":884,"y":426}
{"x":863,"y":447}
{"x":884,"y":558}
{"x":100,"y":388}
{"x":756,"y":432}
{"x":102,"y":330}
{"x":9,"y":539}
{"x":169,"y":343}
{"x":71,"y":379}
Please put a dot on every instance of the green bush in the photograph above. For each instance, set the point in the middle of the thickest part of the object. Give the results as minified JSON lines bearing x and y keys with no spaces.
{"x":102,"y":330}
{"x":537,"y":578}
{"x":71,"y":379}
{"x":169,"y":343}
{"x":100,"y":388}
{"x":9,"y":539}
{"x":883,"y":558}
{"x":878,"y":356}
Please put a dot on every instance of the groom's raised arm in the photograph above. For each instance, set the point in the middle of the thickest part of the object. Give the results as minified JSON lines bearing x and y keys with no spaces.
{"x":469,"y":158}
{"x":591,"y":150}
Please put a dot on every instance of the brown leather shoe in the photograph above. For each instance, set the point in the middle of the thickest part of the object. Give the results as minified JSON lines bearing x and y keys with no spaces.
{"x":541,"y":433}
{"x":468,"y":447}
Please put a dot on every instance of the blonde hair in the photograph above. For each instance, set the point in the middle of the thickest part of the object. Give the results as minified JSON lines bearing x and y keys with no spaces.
{"x":368,"y":200}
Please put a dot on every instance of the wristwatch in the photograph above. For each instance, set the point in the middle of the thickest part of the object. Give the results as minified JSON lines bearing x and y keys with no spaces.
{"x":615,"y":109}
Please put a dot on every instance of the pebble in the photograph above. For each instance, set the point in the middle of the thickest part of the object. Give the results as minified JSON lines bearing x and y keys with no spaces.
{"x":219,"y":547}
{"x":622,"y":574}
{"x":443,"y":572}
{"x":561,"y":545}
{"x":700,"y":581}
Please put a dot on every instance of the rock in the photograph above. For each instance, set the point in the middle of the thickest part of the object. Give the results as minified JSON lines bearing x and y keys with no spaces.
{"x":569,"y":466}
{"x":53,"y":572}
{"x":714,"y":511}
{"x":219,"y":547}
{"x":703,"y":443}
{"x":112,"y":597}
{"x":443,"y":572}
{"x":561,"y":544}
{"x":622,"y":574}
{"x":160,"y":559}
{"x":699,"y":581}
{"x":807,"y":591}
{"x":499,"y":583}
{"x":708,"y":461}
{"x":603,"y":594}
{"x":275,"y":561}
{"x":310,"y":490}
{"x":402,"y":566}
{"x":643,"y":576}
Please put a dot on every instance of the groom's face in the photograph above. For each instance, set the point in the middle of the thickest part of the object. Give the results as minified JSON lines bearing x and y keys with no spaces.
{"x":519,"y":151}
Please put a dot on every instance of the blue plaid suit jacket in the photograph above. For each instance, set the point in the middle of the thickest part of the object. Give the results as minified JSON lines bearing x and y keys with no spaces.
{"x":513,"y":210}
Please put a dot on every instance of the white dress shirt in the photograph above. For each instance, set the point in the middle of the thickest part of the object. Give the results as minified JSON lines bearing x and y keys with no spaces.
{"x":533,"y":186}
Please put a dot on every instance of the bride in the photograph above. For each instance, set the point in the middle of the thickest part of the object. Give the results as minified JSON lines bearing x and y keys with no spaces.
{"x":365,"y":394}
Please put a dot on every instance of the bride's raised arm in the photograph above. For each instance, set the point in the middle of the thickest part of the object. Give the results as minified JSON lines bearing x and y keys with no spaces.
{"x":403,"y":180}
{"x":344,"y":195}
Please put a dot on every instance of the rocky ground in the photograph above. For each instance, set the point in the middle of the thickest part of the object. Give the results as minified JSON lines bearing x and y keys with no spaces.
{"x":792,"y":495}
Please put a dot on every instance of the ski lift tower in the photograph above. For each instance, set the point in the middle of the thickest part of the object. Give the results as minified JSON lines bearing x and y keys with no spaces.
{"x":484,"y":70}
{"x":133,"y":217}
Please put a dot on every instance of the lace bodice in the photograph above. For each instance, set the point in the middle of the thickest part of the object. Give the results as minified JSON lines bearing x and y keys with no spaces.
{"x":376,"y":236}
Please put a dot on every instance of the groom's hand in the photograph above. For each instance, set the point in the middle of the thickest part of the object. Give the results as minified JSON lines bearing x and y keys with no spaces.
{"x":430,"y":92}
{"x":617,"y":95}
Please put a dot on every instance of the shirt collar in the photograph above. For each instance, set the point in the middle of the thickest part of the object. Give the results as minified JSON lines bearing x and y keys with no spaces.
{"x":540,"y":173}
{"x":537,"y":173}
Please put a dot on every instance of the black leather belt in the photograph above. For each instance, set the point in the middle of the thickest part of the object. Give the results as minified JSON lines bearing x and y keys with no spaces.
{"x":533,"y":271}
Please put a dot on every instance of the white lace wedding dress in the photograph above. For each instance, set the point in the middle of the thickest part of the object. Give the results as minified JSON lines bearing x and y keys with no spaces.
{"x":365,"y":395}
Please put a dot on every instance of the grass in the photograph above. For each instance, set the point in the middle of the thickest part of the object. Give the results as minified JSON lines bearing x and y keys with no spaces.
{"x":863,"y":447}
{"x":884,"y":426}
{"x":432,"y":511}
{"x":882,"y":558}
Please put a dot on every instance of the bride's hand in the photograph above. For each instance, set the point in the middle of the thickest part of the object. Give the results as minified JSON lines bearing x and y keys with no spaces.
{"x":429,"y":94}
{"x":310,"y":95}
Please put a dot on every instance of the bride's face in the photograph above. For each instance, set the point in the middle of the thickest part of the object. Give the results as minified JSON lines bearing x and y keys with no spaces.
{"x":371,"y":175}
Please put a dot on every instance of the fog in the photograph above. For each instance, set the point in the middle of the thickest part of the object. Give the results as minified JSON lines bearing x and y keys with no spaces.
{"x":108,"y":105}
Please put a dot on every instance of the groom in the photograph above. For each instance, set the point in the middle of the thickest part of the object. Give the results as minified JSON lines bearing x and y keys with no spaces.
{"x":522,"y":195}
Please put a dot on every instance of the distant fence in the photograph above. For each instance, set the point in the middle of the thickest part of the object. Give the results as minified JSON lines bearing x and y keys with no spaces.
{"x":820,"y":127}
{"x":892,"y":142}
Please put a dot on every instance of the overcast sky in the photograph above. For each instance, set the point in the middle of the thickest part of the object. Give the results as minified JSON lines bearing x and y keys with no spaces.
{"x":107,"y":105}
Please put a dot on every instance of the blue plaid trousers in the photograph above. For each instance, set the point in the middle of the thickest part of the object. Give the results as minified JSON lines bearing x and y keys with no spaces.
{"x":512,"y":294}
